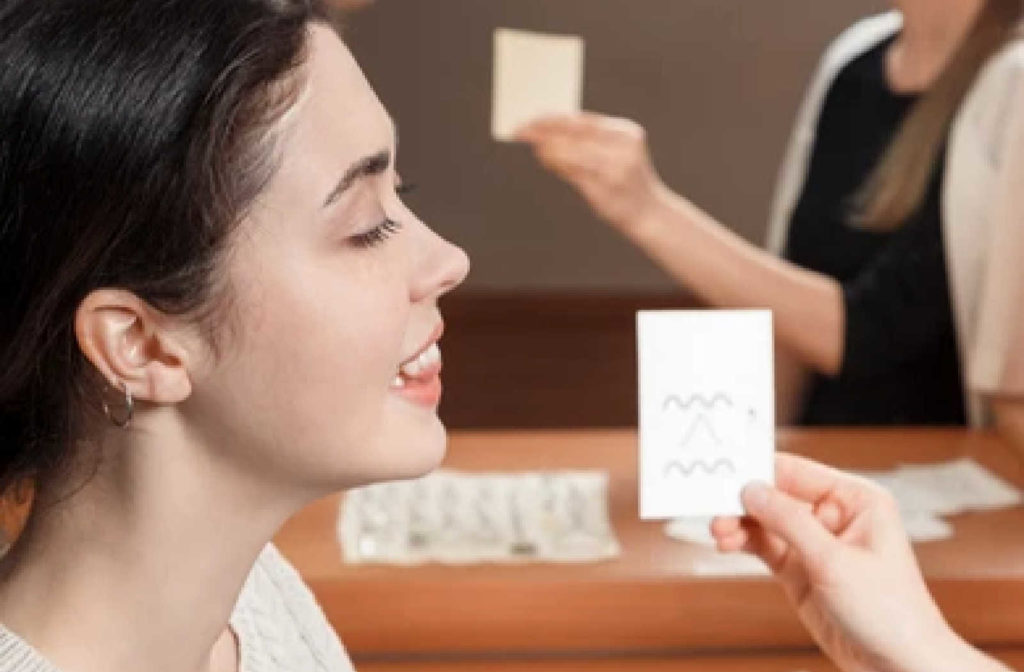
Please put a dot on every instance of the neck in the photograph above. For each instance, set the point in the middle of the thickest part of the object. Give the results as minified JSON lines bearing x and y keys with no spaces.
{"x":932,"y":32}
{"x":143,"y":565}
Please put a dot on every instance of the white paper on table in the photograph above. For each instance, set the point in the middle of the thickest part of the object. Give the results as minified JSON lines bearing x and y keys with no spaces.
{"x":692,"y":530}
{"x":535,"y":75}
{"x":959,"y":485}
{"x":923,"y":527}
{"x":914,"y":496}
{"x":946,"y":488}
{"x":465,"y":518}
{"x":712,"y":563}
{"x":730,"y":564}
{"x":707,"y":409}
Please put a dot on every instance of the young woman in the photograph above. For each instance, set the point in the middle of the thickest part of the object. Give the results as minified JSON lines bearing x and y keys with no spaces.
{"x":897,"y":215}
{"x":214,"y":309}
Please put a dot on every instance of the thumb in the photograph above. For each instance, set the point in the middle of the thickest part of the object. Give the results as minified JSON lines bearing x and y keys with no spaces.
{"x":788,"y":518}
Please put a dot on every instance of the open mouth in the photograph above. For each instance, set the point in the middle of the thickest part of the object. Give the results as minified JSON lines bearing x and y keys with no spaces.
{"x":421,"y":368}
{"x":418,"y":379}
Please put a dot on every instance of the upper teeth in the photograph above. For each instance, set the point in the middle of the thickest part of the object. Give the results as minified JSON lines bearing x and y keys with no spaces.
{"x":428,"y":358}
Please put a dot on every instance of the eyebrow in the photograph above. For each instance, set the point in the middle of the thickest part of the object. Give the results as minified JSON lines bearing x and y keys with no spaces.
{"x":375,"y":164}
{"x":368,"y":166}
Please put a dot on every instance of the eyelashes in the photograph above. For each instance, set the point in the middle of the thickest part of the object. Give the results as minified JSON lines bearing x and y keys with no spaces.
{"x":377,"y":234}
{"x":385,"y":229}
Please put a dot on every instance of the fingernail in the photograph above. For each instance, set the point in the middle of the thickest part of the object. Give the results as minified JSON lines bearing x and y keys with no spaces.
{"x":755,"y":495}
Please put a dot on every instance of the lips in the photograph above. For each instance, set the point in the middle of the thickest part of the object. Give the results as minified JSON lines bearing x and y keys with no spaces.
{"x":418,"y":378}
{"x":424,"y":366}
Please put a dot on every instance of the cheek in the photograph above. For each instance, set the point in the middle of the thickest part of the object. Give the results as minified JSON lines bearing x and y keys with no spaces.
{"x":317,"y":352}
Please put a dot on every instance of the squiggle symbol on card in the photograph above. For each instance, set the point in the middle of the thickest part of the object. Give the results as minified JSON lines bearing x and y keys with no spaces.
{"x":703,"y":417}
{"x":711,"y":428}
{"x":685,"y":404}
{"x":711,"y":468}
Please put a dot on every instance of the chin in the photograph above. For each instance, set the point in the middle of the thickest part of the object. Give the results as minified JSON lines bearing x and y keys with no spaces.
{"x":426,"y":450}
{"x":405,"y":455}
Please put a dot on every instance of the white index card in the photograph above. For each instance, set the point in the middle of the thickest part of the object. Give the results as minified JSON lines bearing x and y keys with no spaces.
{"x":707,"y":409}
{"x":535,"y":75}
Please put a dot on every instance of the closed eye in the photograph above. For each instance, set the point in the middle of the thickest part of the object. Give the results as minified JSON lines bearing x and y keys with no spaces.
{"x":376,"y":235}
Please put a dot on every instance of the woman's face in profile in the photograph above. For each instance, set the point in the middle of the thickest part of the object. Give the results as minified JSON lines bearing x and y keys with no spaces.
{"x":334,"y":285}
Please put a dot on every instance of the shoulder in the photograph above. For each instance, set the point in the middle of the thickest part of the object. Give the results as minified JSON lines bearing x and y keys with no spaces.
{"x":273,"y":568}
{"x":279,"y":622}
{"x":993,"y":108}
{"x":1009,"y":58}
{"x":855,"y":41}
{"x":17,"y":655}
{"x":1000,"y":77}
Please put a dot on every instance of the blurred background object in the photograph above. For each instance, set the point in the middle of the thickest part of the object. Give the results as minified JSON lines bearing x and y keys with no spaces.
{"x":350,"y":5}
{"x":543,"y":333}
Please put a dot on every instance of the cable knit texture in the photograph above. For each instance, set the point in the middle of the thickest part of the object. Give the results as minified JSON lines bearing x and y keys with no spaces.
{"x":280,"y":627}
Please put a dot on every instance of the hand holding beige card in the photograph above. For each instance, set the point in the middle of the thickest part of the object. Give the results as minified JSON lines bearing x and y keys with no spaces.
{"x":535,"y":75}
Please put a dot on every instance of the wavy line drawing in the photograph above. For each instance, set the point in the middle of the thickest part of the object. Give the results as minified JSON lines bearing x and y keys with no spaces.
{"x":701,"y":421}
{"x":709,"y":468}
{"x":684,"y":404}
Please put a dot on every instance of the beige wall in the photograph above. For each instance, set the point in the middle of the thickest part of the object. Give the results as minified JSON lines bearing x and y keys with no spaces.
{"x":716,"y":83}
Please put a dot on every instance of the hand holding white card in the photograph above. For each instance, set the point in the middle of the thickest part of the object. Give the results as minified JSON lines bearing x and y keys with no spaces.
{"x":707,"y":409}
{"x":535,"y":75}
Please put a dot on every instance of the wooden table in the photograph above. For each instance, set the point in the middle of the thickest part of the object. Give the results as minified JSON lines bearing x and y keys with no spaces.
{"x":750,"y":662}
{"x":649,"y":600}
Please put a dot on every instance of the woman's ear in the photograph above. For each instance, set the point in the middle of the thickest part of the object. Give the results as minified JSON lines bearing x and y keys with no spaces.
{"x":133,"y":346}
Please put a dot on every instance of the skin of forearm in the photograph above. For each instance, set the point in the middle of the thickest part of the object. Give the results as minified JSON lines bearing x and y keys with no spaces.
{"x":727,"y":271}
{"x":934,"y":649}
{"x":954,"y":655}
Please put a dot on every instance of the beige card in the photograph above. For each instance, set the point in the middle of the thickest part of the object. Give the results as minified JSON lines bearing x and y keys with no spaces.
{"x":534,"y":75}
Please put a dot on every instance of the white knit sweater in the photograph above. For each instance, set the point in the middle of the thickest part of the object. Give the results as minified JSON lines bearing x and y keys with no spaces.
{"x":279,"y":625}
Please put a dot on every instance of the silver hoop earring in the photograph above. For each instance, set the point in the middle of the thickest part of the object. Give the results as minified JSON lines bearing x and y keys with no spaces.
{"x":129,"y":405}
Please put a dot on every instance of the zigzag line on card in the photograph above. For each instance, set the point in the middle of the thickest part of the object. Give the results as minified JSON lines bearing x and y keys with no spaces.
{"x":709,"y":468}
{"x":691,"y":433}
{"x":684,"y":403}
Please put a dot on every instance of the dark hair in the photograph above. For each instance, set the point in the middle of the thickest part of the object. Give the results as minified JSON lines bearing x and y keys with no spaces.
{"x":133,"y":137}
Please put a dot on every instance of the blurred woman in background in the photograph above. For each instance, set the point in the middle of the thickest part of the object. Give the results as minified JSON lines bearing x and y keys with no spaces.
{"x":898,"y":290}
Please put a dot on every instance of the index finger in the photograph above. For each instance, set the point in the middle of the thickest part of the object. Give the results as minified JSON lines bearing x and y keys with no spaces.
{"x":814,"y":482}
{"x":548,"y":125}
{"x":582,"y":124}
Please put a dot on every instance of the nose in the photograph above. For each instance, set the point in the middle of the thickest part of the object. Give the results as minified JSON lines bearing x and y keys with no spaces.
{"x":442,"y":269}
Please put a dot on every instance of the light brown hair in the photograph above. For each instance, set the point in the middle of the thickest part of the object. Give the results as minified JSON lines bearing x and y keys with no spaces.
{"x":899,"y":183}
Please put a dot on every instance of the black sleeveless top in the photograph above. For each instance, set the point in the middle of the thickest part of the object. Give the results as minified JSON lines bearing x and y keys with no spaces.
{"x":900,"y":363}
